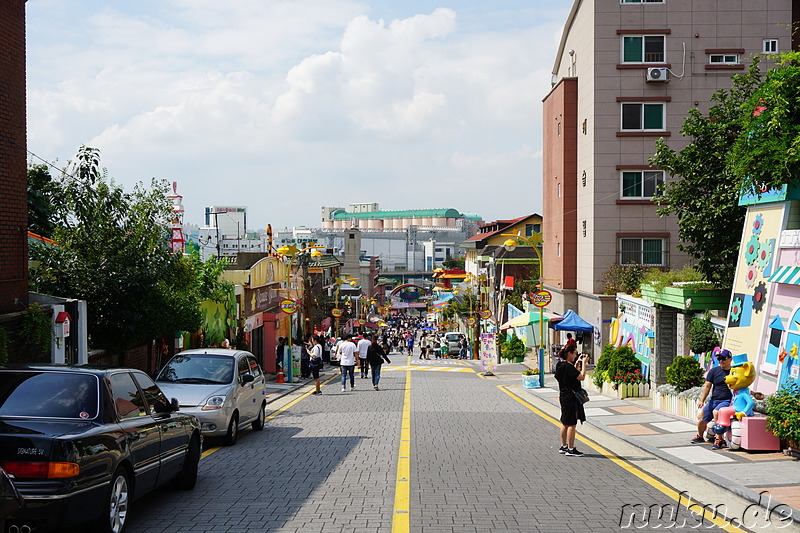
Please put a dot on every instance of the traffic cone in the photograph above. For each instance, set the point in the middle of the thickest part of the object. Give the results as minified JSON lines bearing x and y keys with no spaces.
{"x":280,"y":377}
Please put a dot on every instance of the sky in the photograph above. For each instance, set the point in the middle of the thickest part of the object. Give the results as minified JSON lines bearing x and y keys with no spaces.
{"x":288,"y":106}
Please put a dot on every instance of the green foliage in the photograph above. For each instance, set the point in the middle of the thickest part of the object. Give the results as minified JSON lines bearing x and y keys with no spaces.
{"x":684,"y":373}
{"x":514,"y":296}
{"x":44,"y":199}
{"x":514,"y":348}
{"x":659,"y":279}
{"x":702,"y":335}
{"x":454,"y":262}
{"x":613,"y":362}
{"x":36,"y":331}
{"x":766,"y":152}
{"x":704,"y":192}
{"x":530,"y":372}
{"x":113,"y":253}
{"x":3,"y":346}
{"x":627,"y":279}
{"x":782,"y":409}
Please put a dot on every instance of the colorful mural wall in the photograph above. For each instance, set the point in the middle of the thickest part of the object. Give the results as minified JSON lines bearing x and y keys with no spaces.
{"x":764,"y":314}
{"x":634,"y":327}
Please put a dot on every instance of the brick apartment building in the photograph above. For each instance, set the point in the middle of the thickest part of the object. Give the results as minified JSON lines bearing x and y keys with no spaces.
{"x":626,"y":73}
{"x":13,"y":175}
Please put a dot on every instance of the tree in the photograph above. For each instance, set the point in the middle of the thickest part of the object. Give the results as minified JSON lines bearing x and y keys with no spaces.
{"x":44,"y":198}
{"x":766,"y":153}
{"x":705,"y":193}
{"x":112,"y":252}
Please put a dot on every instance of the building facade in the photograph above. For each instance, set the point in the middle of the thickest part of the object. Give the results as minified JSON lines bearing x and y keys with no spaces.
{"x":626,"y":73}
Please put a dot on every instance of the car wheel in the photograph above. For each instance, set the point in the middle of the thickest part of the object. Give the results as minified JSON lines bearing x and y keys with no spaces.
{"x":258,"y":423}
{"x":233,"y":431}
{"x":115,"y":509}
{"x":187,"y":479}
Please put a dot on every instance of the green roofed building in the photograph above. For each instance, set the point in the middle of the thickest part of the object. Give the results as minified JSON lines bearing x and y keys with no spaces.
{"x":370,"y":217}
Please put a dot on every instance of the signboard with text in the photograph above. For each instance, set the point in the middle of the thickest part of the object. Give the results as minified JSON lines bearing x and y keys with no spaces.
{"x":288,"y":306}
{"x":488,"y":351}
{"x":337,"y":312}
{"x":542,"y":298}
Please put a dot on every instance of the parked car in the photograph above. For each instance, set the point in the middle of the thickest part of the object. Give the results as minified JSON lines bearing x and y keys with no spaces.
{"x":453,"y":346}
{"x":225,"y":389}
{"x":80,"y":444}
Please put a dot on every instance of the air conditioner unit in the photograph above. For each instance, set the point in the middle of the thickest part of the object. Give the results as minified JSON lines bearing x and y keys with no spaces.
{"x":657,"y":74}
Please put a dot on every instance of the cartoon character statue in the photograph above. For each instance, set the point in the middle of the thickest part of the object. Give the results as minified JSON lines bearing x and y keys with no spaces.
{"x":739,"y":380}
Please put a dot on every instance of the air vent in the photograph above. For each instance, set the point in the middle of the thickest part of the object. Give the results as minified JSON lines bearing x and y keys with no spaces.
{"x":657,"y":74}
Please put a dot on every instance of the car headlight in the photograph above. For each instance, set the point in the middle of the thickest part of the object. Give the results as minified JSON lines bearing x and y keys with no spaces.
{"x":214,"y":402}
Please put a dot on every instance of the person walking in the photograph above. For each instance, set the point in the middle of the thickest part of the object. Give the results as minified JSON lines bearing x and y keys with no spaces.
{"x":305,"y":370}
{"x":376,"y":356}
{"x":315,"y":361}
{"x":279,"y":353}
{"x":362,"y":347}
{"x":347,"y":362}
{"x":410,"y":345}
{"x":462,"y":347}
{"x":569,"y":379}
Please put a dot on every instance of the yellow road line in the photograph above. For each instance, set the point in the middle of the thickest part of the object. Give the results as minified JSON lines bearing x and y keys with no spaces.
{"x":401,"y":520}
{"x":272,"y":415}
{"x":722,"y":523}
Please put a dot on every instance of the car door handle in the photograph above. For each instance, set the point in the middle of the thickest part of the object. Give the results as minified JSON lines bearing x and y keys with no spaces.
{"x":133,"y":437}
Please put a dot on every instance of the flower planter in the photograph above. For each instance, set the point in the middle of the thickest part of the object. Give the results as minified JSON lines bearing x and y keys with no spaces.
{"x":625,"y":390}
{"x":675,"y":405}
{"x":701,"y":299}
{"x":530,"y":382}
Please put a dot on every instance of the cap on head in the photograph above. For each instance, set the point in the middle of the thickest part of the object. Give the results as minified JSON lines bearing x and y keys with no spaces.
{"x":724,"y":355}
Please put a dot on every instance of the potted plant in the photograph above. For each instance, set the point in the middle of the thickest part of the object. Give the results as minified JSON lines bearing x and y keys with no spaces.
{"x":514,"y":349}
{"x":782,"y":418}
{"x":530,"y":378}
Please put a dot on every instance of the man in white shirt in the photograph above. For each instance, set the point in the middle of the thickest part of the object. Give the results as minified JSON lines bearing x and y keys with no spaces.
{"x":347,"y":361}
{"x":361,"y":348}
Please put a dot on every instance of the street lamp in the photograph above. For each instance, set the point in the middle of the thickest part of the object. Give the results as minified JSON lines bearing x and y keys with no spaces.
{"x":293,"y":253}
{"x":339,"y":282}
{"x":510,"y":245}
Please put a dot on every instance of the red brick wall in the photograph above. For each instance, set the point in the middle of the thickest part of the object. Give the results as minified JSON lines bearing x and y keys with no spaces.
{"x":560,"y":168}
{"x":13,"y":177}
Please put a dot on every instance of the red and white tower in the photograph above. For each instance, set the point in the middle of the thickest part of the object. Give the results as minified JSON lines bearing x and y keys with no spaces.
{"x":178,"y":241}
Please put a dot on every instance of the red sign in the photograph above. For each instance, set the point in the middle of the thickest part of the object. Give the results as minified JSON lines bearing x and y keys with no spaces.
{"x":337,"y":312}
{"x":542,"y":298}
{"x":485,"y":314}
{"x":470,"y":321}
{"x":361,"y":321}
{"x":288,"y":306}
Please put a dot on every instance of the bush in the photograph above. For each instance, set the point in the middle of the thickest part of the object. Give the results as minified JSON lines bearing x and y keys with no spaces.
{"x":684,"y":373}
{"x":782,"y":409}
{"x":627,"y":279}
{"x":530,"y":372}
{"x":514,"y":348}
{"x":613,"y":362}
{"x":702,"y":335}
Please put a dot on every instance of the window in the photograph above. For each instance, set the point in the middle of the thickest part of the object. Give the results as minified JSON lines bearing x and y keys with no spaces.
{"x":770,"y":46}
{"x":243,"y":367}
{"x":531,"y":229}
{"x":152,"y":394}
{"x":723,"y":59}
{"x":642,"y":251}
{"x":643,"y":48}
{"x":642,"y":117}
{"x":127,"y":398}
{"x":254,"y":368}
{"x":641,"y":183}
{"x":69,"y":395}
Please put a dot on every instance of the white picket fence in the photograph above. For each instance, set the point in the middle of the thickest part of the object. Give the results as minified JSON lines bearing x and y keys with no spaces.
{"x":679,"y":406}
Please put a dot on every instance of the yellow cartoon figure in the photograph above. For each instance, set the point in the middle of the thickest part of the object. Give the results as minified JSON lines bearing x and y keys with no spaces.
{"x":739,"y":380}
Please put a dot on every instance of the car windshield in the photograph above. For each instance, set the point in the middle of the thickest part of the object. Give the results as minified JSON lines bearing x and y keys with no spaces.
{"x":198,"y":368}
{"x":69,"y":395}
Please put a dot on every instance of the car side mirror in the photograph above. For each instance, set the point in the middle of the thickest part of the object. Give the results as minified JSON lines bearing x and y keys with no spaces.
{"x":248,"y":378}
{"x":175,"y":405}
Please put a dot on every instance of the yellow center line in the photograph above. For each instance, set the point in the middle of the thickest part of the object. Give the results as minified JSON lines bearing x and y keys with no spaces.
{"x":401,"y":522}
{"x":272,"y":415}
{"x":720,"y":522}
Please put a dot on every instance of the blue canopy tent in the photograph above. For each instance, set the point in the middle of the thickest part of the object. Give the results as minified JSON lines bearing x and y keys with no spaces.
{"x":572,"y":322}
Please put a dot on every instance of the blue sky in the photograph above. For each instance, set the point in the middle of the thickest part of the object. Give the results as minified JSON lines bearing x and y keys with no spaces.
{"x":286,"y":106}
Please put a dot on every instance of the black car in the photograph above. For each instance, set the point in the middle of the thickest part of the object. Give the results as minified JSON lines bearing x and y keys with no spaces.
{"x":80,"y":444}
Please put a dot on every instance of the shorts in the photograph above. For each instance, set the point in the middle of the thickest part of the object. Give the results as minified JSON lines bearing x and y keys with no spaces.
{"x":315,"y":372}
{"x":711,"y":406}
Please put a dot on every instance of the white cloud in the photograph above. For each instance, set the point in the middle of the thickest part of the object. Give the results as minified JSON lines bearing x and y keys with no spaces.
{"x":286,"y":106}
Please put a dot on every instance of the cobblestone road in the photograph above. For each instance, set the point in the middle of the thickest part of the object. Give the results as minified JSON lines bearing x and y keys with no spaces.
{"x":480,"y":461}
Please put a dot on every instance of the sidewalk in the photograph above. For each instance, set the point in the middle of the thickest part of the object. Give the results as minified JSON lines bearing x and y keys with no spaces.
{"x":746,"y":474}
{"x":279,"y":390}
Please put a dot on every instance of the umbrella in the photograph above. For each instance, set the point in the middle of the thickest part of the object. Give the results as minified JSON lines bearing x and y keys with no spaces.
{"x":572,"y":322}
{"x":525,"y":319}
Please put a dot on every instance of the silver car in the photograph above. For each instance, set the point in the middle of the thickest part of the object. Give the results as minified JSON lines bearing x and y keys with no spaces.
{"x":223,"y":388}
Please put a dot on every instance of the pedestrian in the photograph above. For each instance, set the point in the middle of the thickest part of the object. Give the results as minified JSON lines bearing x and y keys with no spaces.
{"x":376,"y":356}
{"x":362,"y":347}
{"x":569,"y":379}
{"x":347,"y":361}
{"x":410,"y":345}
{"x":462,"y":347}
{"x":721,"y":396}
{"x":315,"y":361}
{"x":326,"y":350}
{"x":305,"y":370}
{"x":279,"y":352}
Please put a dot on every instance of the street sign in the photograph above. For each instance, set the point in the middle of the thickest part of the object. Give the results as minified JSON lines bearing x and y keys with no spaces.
{"x":336,"y":312}
{"x":485,"y":314}
{"x":361,"y":321}
{"x":542,"y":298}
{"x":470,"y":321}
{"x":288,"y":306}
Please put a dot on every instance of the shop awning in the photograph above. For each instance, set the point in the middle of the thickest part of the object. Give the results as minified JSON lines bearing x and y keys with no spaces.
{"x":786,"y":274}
{"x":572,"y":322}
